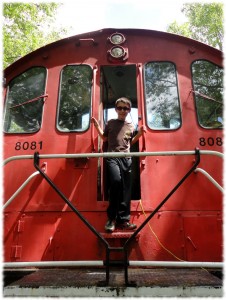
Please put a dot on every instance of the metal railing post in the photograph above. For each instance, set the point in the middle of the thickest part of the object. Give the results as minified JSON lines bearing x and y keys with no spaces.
{"x":131,"y":238}
{"x":36,"y":164}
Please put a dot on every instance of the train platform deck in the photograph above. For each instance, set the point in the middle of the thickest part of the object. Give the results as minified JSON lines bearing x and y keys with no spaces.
{"x":83,"y":282}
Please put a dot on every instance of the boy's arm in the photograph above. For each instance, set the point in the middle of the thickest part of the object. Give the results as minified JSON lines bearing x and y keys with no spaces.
{"x":99,"y":130}
{"x":141,"y":131}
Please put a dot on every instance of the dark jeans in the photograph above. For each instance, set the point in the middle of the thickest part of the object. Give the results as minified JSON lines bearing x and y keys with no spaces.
{"x":119,"y":180}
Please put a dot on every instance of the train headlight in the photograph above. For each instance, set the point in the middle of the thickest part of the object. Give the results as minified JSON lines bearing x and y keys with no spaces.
{"x":117,"y":38}
{"x":117,"y":52}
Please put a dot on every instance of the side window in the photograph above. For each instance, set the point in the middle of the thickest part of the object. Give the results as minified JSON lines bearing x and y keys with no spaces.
{"x":208,"y":90}
{"x":75,"y":98}
{"x":24,"y":106}
{"x":161,"y":96}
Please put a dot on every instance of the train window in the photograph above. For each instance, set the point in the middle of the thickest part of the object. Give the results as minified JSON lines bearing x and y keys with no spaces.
{"x":208,"y":91}
{"x":161,"y":96}
{"x":75,"y":98}
{"x":23,"y":109}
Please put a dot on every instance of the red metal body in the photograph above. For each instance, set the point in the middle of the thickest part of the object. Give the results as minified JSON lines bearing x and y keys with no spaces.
{"x":39,"y":226}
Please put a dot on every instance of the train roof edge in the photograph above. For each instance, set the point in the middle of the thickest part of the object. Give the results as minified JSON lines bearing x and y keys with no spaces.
{"x":111,"y":30}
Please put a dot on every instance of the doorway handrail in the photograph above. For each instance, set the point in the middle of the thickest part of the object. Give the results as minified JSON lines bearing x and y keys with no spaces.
{"x":113,"y":154}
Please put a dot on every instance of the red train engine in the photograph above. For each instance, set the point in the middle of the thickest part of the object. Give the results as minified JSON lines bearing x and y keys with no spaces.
{"x":176,"y":88}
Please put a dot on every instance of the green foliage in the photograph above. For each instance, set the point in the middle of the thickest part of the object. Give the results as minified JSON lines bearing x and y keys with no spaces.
{"x":205,"y":23}
{"x":26,"y":27}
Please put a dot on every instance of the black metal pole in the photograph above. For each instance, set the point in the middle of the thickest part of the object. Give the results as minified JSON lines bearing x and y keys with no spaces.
{"x":107,"y":246}
{"x":36,"y":164}
{"x":197,"y":161}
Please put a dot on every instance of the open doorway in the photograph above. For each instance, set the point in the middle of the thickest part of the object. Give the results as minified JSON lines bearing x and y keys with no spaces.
{"x":116,"y":82}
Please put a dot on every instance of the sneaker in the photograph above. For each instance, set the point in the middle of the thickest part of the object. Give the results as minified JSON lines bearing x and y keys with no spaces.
{"x":127,"y":226}
{"x":110,"y":226}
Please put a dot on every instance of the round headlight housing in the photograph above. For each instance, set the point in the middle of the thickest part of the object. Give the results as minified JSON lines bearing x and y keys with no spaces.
{"x":117,"y":38}
{"x":117,"y":52}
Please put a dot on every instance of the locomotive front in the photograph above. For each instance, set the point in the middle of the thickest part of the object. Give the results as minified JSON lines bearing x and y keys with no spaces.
{"x":176,"y":89}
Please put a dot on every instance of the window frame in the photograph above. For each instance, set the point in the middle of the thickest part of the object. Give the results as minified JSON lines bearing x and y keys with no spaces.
{"x":59,"y":100}
{"x":41,"y":99}
{"x":195,"y":97}
{"x":178,"y":97}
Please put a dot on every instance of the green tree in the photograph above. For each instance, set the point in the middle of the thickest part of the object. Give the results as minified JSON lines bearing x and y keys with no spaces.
{"x":26,"y":27}
{"x":205,"y":23}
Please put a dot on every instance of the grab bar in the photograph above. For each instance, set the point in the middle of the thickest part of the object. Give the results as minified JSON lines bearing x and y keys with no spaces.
{"x":142,"y":105}
{"x":23,"y":186}
{"x":114,"y":154}
{"x":20,"y":189}
{"x":210,"y":178}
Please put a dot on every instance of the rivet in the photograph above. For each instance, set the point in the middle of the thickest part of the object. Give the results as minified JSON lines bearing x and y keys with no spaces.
{"x":192,"y":50}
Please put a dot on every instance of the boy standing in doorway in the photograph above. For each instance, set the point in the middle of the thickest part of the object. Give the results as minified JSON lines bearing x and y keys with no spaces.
{"x":119,"y":134}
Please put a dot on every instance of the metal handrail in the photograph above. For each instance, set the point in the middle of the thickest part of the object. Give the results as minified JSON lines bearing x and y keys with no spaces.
{"x":101,"y":238}
{"x":113,"y":154}
{"x":36,"y":165}
{"x":99,"y":263}
{"x":132,"y":237}
{"x":211,"y":179}
{"x":20,"y":189}
{"x":197,"y":161}
{"x":37,"y":157}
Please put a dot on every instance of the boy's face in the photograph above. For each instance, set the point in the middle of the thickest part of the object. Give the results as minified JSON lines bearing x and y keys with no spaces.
{"x":122,"y":110}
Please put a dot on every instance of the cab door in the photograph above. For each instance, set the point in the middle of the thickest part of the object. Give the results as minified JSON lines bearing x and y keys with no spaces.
{"x":119,"y":81}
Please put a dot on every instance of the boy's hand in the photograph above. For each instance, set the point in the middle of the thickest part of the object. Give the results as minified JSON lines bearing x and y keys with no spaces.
{"x":142,"y":129}
{"x":94,"y":121}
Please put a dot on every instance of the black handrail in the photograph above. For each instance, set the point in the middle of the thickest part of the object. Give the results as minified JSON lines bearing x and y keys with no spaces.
{"x":103,"y":240}
{"x":128,"y":241}
{"x":36,"y":164}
